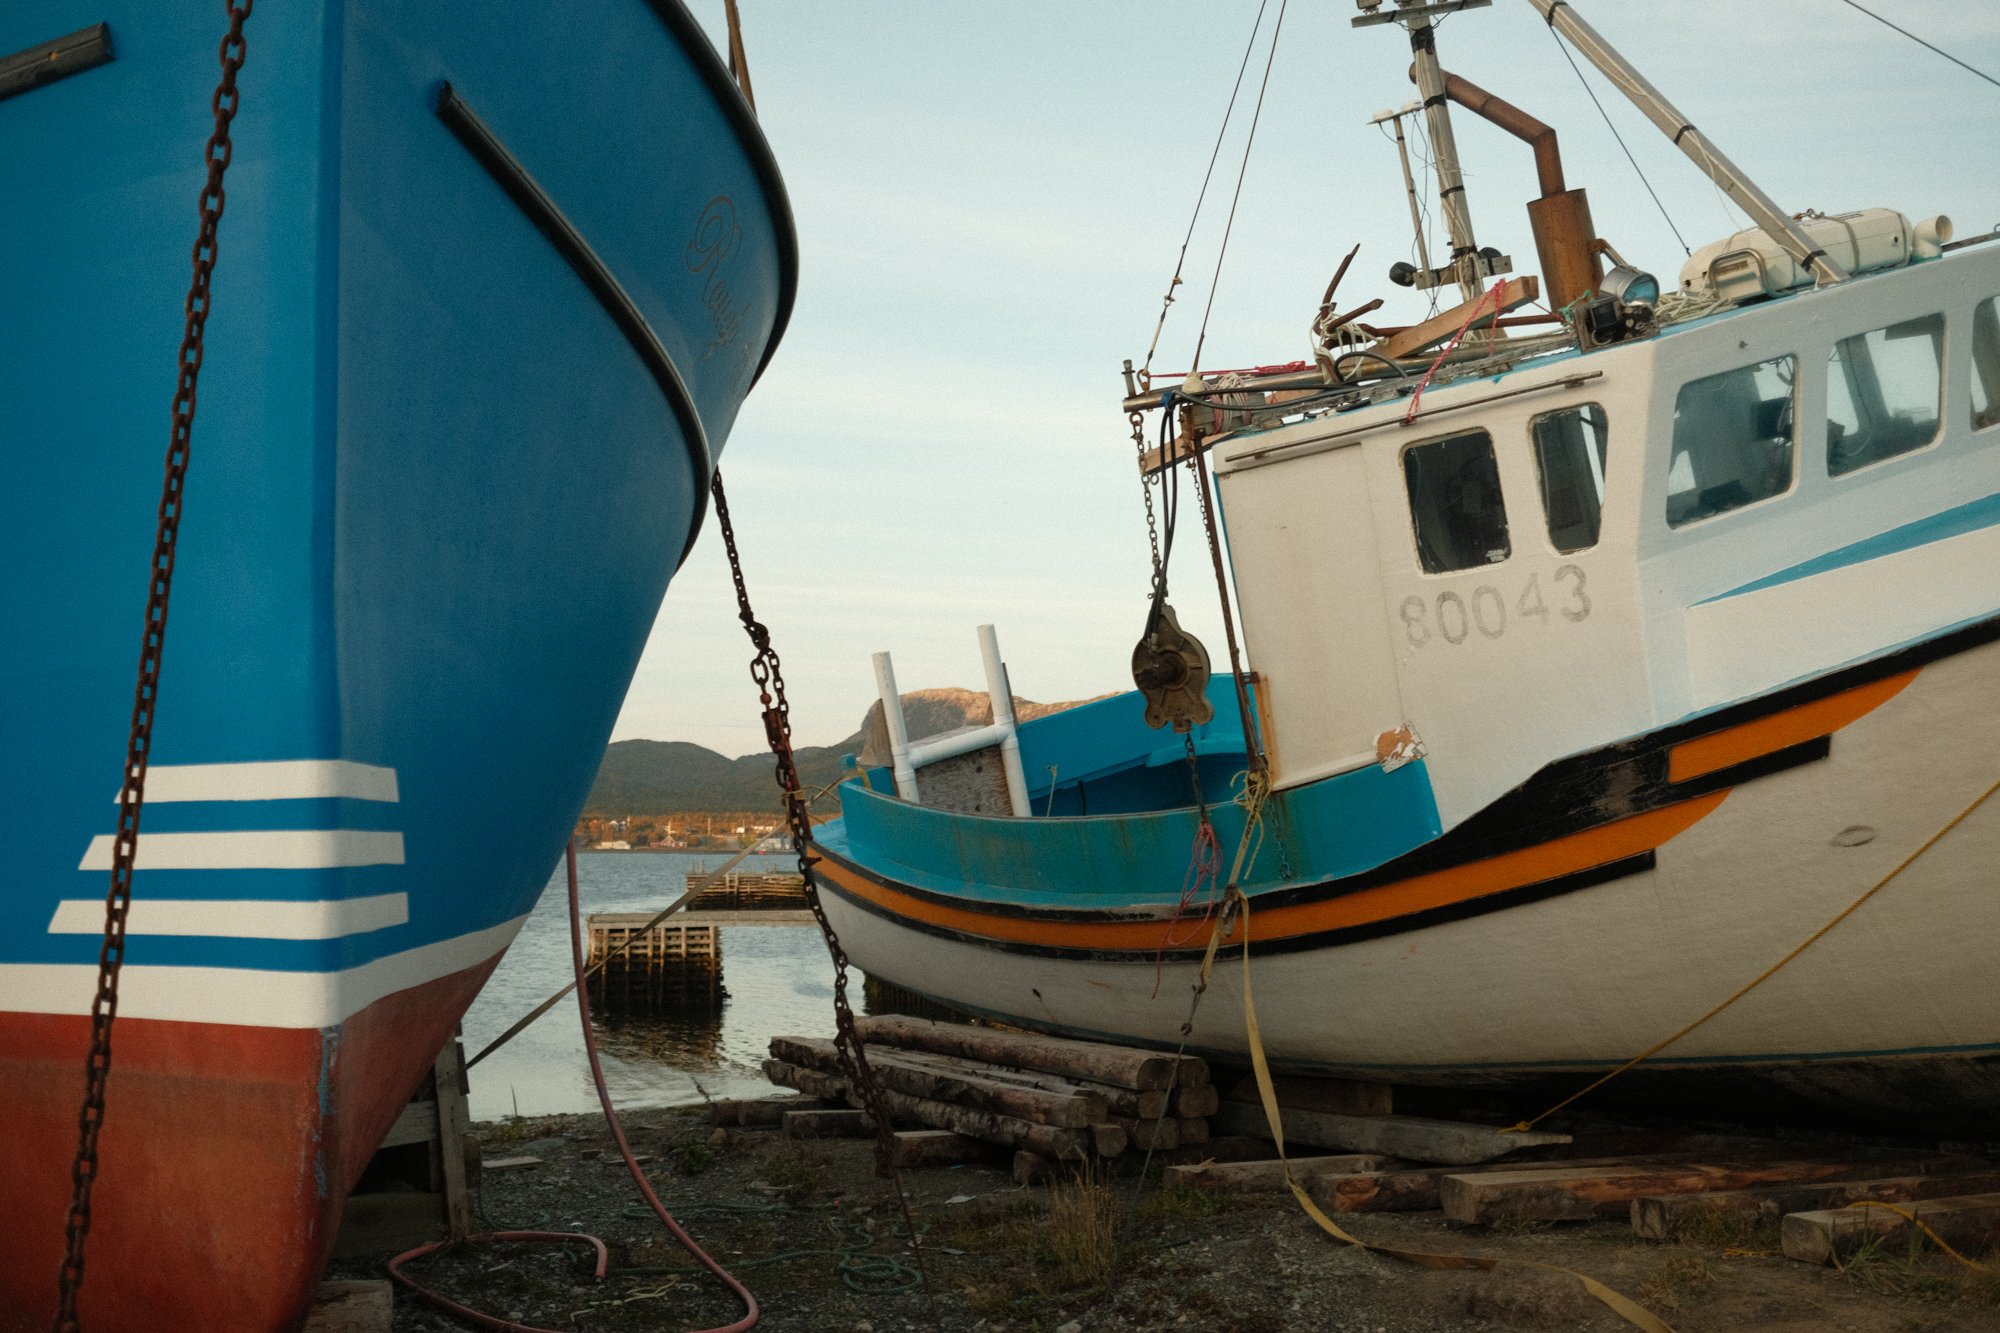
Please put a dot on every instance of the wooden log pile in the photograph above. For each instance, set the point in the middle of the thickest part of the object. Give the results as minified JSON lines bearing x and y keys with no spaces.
{"x":1050,"y":1098}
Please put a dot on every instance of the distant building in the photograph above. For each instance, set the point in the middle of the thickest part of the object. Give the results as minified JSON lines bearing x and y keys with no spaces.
{"x":616,"y":845}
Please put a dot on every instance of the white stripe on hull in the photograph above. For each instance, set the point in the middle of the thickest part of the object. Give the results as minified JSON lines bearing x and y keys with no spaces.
{"x":328,"y":919}
{"x":281,"y":780}
{"x":260,"y":849}
{"x":1596,"y":976}
{"x":247,"y":997}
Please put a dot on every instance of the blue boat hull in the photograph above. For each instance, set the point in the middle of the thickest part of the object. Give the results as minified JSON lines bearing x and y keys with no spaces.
{"x":492,"y":286}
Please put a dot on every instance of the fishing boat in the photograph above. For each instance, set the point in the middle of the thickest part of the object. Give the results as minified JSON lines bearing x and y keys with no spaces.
{"x":490,"y":288}
{"x":1596,"y":663}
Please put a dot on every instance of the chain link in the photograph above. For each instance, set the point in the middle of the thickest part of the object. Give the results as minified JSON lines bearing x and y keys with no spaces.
{"x":1138,"y":420}
{"x":131,"y":793}
{"x":768,"y":673}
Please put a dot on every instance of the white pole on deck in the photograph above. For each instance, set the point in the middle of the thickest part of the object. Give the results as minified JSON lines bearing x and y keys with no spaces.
{"x":1001,"y":693}
{"x":1773,"y":220}
{"x":899,"y":734}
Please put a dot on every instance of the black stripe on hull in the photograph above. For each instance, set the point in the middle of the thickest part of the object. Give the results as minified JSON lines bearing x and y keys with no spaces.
{"x":513,"y":178}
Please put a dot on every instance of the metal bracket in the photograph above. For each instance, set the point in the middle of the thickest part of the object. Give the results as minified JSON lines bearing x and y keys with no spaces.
{"x":25,"y":71}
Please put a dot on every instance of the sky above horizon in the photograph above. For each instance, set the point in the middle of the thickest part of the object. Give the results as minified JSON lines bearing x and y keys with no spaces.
{"x":989,"y":203}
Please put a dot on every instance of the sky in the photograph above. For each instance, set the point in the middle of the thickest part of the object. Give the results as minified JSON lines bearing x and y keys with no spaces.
{"x":990,"y":200}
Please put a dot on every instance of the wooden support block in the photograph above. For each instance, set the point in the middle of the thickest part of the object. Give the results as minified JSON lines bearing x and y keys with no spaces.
{"x":1333,"y":1096}
{"x":765,"y":1112}
{"x":1031,"y":1168}
{"x":1417,"y":337}
{"x":1268,"y":1175}
{"x":1194,"y":1130}
{"x":1150,"y":1134}
{"x":937,"y":1147}
{"x":1069,"y":1109}
{"x":1117,"y":1101}
{"x":1202,"y":1100}
{"x":828,"y":1125}
{"x":1063,"y":1144}
{"x":1557,"y":1193}
{"x":457,"y":1150}
{"x":1409,"y":1191}
{"x":1970,"y":1223}
{"x":1124,"y":1066}
{"x":416,"y":1123}
{"x":518,"y":1163}
{"x":1418,"y":1140}
{"x":1665,"y":1217}
{"x":1109,"y":1140}
{"x":351,"y":1307}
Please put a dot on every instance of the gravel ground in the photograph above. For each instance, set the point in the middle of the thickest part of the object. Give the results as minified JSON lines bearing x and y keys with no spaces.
{"x":820,"y":1241}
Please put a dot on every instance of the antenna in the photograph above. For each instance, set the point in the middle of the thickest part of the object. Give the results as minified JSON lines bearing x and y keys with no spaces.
{"x":1468,"y":266}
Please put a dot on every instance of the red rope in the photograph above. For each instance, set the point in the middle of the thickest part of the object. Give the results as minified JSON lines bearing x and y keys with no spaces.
{"x":1493,"y":295}
{"x":687,"y":1243}
{"x":1204,"y":869}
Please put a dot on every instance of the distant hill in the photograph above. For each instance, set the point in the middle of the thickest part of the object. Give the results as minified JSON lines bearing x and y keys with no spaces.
{"x":662,"y":777}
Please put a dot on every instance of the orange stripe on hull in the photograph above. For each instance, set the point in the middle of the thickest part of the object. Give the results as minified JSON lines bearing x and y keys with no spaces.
{"x":226,"y":1156}
{"x":1420,"y":893}
{"x":1779,"y":731}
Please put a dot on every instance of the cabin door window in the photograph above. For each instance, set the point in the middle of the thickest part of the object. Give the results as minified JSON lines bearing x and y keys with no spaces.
{"x":1569,"y":459}
{"x":1455,"y":505}
{"x":1986,"y":364}
{"x":1884,"y":393}
{"x":1732,"y":440}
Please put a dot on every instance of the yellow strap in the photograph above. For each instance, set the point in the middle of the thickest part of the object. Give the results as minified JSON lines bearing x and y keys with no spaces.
{"x":1924,"y":1227}
{"x":1626,"y":1308}
{"x":1768,"y":972}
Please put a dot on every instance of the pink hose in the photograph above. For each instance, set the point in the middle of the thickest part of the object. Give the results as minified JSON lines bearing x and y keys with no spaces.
{"x":473,"y":1316}
{"x":742,"y":1292}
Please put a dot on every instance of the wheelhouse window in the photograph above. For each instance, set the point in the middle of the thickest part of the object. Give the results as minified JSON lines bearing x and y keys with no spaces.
{"x":1986,"y":364}
{"x":1884,"y":393}
{"x":1455,"y":503}
{"x":1569,"y":459}
{"x":1732,"y":440}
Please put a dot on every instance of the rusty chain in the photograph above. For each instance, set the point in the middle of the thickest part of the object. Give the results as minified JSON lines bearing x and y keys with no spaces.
{"x":132,"y":789}
{"x":768,"y":673}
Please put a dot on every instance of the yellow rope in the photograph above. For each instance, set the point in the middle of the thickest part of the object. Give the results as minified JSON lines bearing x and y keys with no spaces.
{"x":1768,"y":972}
{"x":1624,"y":1306}
{"x":1924,"y":1227}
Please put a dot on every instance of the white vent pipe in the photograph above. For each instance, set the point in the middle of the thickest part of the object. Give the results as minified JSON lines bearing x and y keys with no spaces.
{"x":906,"y":758}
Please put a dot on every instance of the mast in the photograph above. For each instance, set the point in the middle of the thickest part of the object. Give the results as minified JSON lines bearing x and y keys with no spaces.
{"x":1467,"y":265}
{"x":1395,"y":122}
{"x":1773,"y":220}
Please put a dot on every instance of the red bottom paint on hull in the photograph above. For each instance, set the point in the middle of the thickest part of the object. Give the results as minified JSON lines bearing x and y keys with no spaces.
{"x":227,"y":1154}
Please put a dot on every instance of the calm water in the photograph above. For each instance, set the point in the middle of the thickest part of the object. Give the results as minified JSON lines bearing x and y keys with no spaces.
{"x":777,"y":979}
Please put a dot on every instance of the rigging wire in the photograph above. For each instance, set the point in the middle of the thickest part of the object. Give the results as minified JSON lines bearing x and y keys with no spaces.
{"x":1921,"y":42}
{"x":1563,"y":46}
{"x":1215,"y":281}
{"x":1167,"y":302}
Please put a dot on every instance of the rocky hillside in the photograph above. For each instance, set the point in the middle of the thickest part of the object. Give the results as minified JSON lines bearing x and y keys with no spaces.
{"x":674,"y":777}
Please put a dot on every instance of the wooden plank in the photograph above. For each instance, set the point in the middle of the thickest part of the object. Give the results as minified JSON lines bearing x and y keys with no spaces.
{"x":1194,"y":1130}
{"x":1970,"y":1223}
{"x":1418,"y":337}
{"x":1050,"y":1141}
{"x":1667,"y":1216}
{"x":842,"y":1124}
{"x":351,"y":1307}
{"x":1117,"y":1100}
{"x":1405,"y":1191}
{"x":937,"y":1147}
{"x":1071,"y":1110}
{"x":1571,"y":1193}
{"x":1203,"y":1100}
{"x":1334,"y":1096}
{"x":417,"y":1123}
{"x":1265,"y":1176}
{"x":1419,"y":1140}
{"x":455,"y":1144}
{"x":766,"y":1112}
{"x":518,"y":1163}
{"x":1124,"y":1066}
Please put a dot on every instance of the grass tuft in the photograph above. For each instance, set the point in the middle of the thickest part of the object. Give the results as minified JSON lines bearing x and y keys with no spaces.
{"x":1080,"y":1234}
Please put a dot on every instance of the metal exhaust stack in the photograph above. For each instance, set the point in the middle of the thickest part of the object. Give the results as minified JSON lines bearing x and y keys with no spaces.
{"x":1564,"y":237}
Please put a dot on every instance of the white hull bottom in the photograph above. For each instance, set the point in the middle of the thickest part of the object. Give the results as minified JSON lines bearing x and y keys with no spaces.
{"x":1884,"y":1011}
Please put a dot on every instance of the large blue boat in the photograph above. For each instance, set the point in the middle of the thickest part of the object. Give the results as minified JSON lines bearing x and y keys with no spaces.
{"x":493,"y":282}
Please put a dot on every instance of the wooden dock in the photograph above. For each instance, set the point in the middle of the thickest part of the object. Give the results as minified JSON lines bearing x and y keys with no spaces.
{"x":678,"y":961}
